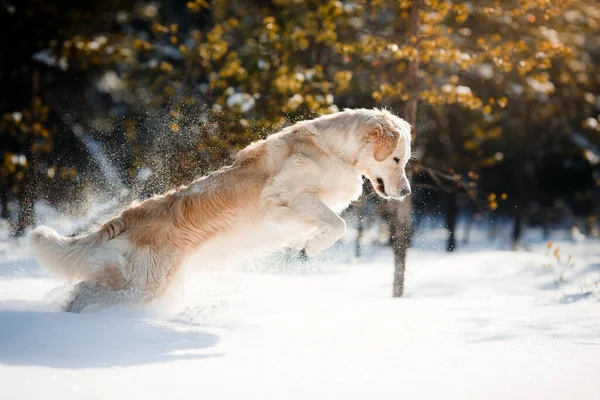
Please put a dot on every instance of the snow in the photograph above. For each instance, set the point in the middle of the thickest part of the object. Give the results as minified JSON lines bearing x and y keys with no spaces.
{"x":295,"y":101}
{"x":242,"y":101}
{"x":463,"y":90}
{"x":110,"y":83}
{"x":46,"y":57}
{"x":591,"y":123}
{"x":486,"y":71}
{"x":480,"y":323}
{"x":540,"y":87}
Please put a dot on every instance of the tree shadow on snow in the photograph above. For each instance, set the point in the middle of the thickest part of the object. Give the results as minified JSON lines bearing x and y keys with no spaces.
{"x":96,"y":340}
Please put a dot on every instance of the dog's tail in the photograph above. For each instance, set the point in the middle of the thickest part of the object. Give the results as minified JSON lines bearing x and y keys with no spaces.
{"x":72,"y":258}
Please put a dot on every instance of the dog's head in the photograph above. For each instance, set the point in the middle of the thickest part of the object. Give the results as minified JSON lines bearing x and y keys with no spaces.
{"x":384,"y":157}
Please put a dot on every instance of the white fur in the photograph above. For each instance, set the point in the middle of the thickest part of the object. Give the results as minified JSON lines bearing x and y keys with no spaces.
{"x":285,"y":191}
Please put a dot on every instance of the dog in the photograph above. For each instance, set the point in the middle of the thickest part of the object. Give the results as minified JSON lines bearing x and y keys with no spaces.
{"x":283,"y":191}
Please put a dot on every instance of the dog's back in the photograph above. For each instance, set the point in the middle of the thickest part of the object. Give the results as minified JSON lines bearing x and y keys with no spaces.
{"x":178,"y":221}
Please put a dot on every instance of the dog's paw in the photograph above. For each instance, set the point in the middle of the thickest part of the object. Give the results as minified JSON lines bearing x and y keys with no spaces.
{"x":302,"y":256}
{"x":299,"y":246}
{"x":315,"y":245}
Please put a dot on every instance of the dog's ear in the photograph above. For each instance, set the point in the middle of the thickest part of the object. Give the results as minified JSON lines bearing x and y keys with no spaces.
{"x":385,"y":141}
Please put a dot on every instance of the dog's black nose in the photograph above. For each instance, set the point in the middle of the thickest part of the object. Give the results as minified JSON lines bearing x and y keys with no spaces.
{"x":404,"y":192}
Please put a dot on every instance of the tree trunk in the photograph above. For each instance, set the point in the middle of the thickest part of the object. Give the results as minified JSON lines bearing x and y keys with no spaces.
{"x":492,"y":228}
{"x":470,"y":219}
{"x":360,"y":228}
{"x":545,"y":225}
{"x":400,"y":217}
{"x":26,"y":202}
{"x":517,"y":228}
{"x":4,"y":192}
{"x":4,"y":212}
{"x":589,"y":225}
{"x":518,"y":168}
{"x":400,"y":238}
{"x":26,"y":194}
{"x":451,"y":215}
{"x":27,"y":190}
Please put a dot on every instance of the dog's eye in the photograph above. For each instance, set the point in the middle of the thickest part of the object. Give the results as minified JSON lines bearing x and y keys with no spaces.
{"x":397,"y":160}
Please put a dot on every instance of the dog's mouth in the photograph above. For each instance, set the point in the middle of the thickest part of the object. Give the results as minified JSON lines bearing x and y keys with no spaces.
{"x":380,"y":187}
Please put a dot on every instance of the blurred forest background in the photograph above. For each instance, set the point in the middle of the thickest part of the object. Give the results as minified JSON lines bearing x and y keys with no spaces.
{"x":102,"y":102}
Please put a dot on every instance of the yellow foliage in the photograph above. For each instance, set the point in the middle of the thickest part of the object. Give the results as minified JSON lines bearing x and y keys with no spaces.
{"x":342,"y":79}
{"x":556,"y":253}
{"x":470,"y":145}
{"x":166,"y":67}
{"x":297,"y":57}
{"x":197,"y":5}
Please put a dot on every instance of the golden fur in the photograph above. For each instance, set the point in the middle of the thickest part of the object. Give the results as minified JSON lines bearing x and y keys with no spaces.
{"x":289,"y":186}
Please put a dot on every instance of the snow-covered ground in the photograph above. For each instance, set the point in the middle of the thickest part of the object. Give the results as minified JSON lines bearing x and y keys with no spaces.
{"x":482,"y":323}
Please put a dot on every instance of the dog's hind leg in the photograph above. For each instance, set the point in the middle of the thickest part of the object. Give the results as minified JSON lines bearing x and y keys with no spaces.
{"x":150,"y":275}
{"x":88,"y":293}
{"x":107,"y":287}
{"x":152,"y":271}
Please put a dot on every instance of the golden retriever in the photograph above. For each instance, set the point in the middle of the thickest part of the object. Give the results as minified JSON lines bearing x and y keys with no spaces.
{"x":284,"y":191}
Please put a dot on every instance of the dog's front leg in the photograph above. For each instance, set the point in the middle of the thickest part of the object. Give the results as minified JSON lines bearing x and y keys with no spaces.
{"x":329,"y":226}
